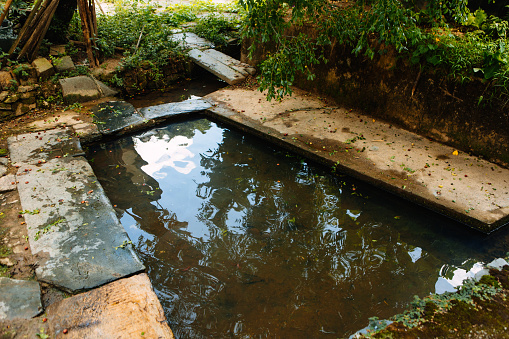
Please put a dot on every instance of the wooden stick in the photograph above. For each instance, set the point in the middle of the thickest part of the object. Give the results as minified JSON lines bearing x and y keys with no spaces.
{"x":99,"y":5}
{"x":52,"y":9}
{"x":83,"y":10}
{"x":34,"y":41}
{"x":22,"y":34}
{"x":6,"y":9}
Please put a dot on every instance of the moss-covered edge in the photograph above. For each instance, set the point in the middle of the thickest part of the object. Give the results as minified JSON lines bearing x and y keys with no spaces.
{"x":477,"y":310}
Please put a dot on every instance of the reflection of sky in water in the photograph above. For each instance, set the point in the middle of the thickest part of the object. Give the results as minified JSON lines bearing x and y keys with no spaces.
{"x":449,"y":281}
{"x":165,"y":152}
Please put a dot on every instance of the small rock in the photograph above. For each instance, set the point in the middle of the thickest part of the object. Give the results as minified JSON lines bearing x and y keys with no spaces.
{"x":3,"y":95}
{"x":6,"y":80}
{"x":4,"y":161}
{"x":64,"y":64}
{"x":26,"y":88}
{"x":43,"y":68}
{"x":7,"y":262}
{"x":11,"y":99}
{"x":497,"y":264}
{"x":6,"y":183}
{"x":374,"y":148}
{"x":3,"y":170}
{"x":5,"y":107}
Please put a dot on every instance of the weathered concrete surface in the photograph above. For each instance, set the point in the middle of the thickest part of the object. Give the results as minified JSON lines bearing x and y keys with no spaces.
{"x":72,"y":227}
{"x":463,"y":187}
{"x":175,"y":108}
{"x":191,"y":40}
{"x":126,"y":308}
{"x":43,"y":146}
{"x":213,"y":65}
{"x":19,"y":299}
{"x":237,"y":65}
{"x":116,"y":116}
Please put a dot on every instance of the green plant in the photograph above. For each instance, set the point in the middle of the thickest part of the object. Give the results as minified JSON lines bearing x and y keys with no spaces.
{"x":47,"y":228}
{"x":217,"y":29}
{"x":428,"y":35}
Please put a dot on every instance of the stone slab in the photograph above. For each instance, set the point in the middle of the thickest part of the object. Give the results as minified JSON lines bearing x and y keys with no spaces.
{"x":441,"y":178}
{"x":43,"y":68}
{"x":114,"y":116}
{"x":175,"y":108}
{"x":106,"y":91}
{"x":7,"y":183}
{"x":43,"y":146}
{"x":64,"y":64}
{"x":79,"y":89}
{"x":237,"y":65}
{"x":19,"y":299}
{"x":126,"y":308}
{"x":3,"y":170}
{"x":72,"y":227}
{"x":188,"y":40}
{"x":216,"y":67}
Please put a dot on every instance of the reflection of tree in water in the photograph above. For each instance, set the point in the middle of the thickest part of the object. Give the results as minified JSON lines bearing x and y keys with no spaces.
{"x":289,"y":251}
{"x":289,"y":241}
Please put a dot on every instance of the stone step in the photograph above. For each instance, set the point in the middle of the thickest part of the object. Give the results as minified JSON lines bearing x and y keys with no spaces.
{"x":217,"y":67}
{"x":190,"y":40}
{"x":19,"y":299}
{"x":72,"y":227}
{"x":126,"y":308}
{"x":175,"y":108}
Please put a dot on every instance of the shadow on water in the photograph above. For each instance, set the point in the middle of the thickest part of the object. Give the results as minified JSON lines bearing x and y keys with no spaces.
{"x":244,"y":240}
{"x":205,"y":83}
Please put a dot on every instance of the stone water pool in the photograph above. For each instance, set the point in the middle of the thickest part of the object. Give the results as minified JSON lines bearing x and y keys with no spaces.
{"x":243,"y":239}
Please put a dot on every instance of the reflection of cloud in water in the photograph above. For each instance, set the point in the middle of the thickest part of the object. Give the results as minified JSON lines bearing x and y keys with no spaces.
{"x":449,"y":284}
{"x":165,"y":152}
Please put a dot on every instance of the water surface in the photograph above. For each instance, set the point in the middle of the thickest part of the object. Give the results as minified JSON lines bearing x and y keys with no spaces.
{"x":244,"y":240}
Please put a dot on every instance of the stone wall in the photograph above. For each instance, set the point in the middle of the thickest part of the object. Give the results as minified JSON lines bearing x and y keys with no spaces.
{"x":19,"y":91}
{"x":390,"y":88}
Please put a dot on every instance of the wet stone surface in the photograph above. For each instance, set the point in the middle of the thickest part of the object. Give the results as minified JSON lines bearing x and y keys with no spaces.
{"x":175,"y":108}
{"x":19,"y":299}
{"x":72,"y":227}
{"x":114,"y":116}
{"x":43,"y":146}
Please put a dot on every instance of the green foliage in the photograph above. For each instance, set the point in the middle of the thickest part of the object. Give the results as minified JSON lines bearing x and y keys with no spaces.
{"x":439,"y":34}
{"x":217,"y":29}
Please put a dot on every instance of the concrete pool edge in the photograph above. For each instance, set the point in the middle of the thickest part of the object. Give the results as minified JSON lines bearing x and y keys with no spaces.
{"x":425,"y":172}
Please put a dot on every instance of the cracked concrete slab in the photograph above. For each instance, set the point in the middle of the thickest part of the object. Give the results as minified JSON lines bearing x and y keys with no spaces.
{"x":19,"y":299}
{"x":126,"y":308}
{"x":175,"y":108}
{"x":72,"y":227}
{"x":451,"y":182}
